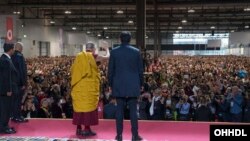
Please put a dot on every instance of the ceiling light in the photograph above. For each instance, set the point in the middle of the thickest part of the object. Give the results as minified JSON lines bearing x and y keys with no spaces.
{"x":119,"y":12}
{"x":130,"y":21}
{"x":191,"y":11}
{"x":17,"y":12}
{"x":73,"y":28}
{"x":67,"y":12}
{"x":107,"y":37}
{"x":52,"y":22}
{"x":212,"y":27}
{"x":247,"y":26}
{"x":184,"y":21}
{"x":25,"y":36}
{"x":88,"y":32}
{"x":99,"y":35}
{"x":105,"y":28}
{"x":247,"y":9}
{"x":179,"y":27}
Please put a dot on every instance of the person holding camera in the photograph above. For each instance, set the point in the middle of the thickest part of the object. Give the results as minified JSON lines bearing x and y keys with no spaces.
{"x":29,"y":109}
{"x":183,"y":108}
{"x":156,"y":109}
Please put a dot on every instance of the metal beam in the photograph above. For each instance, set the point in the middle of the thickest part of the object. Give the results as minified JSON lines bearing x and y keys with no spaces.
{"x":125,"y":4}
{"x":163,"y":21}
{"x":89,"y":5}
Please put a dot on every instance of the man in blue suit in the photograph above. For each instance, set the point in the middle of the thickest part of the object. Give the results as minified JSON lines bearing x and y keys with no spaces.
{"x":125,"y":74}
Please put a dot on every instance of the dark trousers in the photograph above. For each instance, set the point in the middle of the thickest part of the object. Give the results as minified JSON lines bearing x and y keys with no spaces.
{"x":17,"y":103}
{"x":132,"y":104}
{"x":247,"y":117}
{"x":5,"y":111}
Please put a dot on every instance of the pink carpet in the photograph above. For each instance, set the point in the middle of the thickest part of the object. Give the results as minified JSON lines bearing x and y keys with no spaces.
{"x":149,"y":130}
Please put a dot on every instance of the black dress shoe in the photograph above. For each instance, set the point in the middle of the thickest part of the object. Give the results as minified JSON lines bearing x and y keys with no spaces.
{"x":9,"y":131}
{"x":137,"y":138}
{"x":118,"y":138}
{"x":88,"y":133}
{"x":91,"y":133}
{"x":19,"y":120}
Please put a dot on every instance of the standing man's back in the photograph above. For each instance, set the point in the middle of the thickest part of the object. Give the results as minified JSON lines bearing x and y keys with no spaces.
{"x":126,"y":71}
{"x":125,"y":75}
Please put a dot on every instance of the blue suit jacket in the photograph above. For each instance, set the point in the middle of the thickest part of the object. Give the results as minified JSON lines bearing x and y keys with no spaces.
{"x":125,"y":72}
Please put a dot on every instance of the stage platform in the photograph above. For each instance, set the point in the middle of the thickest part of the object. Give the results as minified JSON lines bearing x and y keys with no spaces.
{"x":63,"y":130}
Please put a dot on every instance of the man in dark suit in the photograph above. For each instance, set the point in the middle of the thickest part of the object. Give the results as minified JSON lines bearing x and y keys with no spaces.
{"x":125,"y":74}
{"x":8,"y":88}
{"x":20,"y":65}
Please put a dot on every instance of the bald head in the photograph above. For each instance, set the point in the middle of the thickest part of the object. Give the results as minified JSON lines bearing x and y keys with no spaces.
{"x":90,"y":47}
{"x":19,"y":46}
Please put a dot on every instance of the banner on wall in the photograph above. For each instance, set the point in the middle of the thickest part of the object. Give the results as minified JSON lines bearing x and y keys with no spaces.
{"x":61,"y":38}
{"x":102,"y":46}
{"x":9,"y":29}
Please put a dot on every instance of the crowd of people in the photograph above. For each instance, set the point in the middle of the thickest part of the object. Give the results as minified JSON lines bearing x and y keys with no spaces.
{"x":48,"y":88}
{"x":199,"y":88}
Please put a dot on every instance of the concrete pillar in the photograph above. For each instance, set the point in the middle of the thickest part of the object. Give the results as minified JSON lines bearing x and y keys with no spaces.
{"x":140,"y":24}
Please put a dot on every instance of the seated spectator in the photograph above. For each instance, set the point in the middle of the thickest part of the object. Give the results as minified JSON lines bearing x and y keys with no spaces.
{"x":29,"y":110}
{"x":44,"y":111}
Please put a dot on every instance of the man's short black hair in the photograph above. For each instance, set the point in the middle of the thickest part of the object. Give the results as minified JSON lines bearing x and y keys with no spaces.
{"x":7,"y":47}
{"x":125,"y":36}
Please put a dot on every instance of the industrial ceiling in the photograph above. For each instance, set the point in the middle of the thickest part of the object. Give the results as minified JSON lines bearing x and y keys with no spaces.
{"x":112,"y":16}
